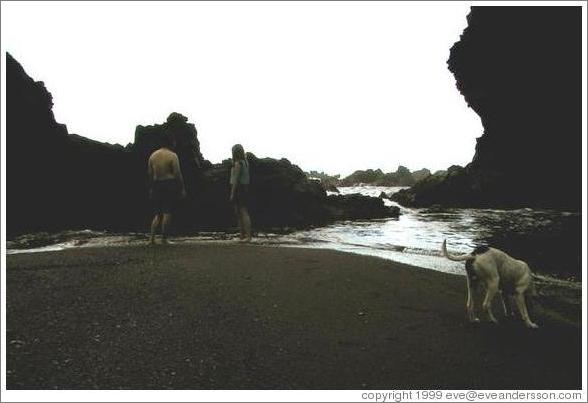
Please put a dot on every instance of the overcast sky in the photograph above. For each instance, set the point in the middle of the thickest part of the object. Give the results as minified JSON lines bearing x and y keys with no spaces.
{"x":331,"y":86}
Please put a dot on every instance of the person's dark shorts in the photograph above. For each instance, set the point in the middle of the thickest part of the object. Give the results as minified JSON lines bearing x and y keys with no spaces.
{"x":241,"y":198}
{"x":165,"y":195}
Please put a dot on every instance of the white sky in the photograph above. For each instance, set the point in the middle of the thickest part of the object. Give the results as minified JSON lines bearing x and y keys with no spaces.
{"x":333,"y":87}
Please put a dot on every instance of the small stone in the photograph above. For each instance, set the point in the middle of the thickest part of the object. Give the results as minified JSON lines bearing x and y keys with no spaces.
{"x":17,"y":343}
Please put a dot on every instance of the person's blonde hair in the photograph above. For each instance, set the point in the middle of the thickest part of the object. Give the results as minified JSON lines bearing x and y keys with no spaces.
{"x":238,"y":152}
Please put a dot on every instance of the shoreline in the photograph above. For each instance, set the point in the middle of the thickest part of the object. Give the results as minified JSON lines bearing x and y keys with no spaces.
{"x":235,"y":316}
{"x":269,"y":239}
{"x":548,"y":242}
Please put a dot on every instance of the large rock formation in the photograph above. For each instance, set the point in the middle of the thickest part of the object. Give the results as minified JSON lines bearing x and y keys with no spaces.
{"x":519,"y":69}
{"x":54,"y":179}
{"x":57,"y":180}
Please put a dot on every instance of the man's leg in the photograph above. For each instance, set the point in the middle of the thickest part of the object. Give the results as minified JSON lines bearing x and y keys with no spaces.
{"x":164,"y":226}
{"x":154,"y":225}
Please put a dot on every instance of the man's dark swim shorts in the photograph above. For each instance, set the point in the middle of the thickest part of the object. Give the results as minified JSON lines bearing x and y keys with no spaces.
{"x":165,"y":196}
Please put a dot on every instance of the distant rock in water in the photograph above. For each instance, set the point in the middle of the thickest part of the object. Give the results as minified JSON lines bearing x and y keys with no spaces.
{"x":519,"y":69}
{"x":421,"y":174}
{"x":426,"y":191}
{"x":57,"y":180}
{"x":368,"y":177}
{"x":329,"y":182}
{"x":402,"y":177}
{"x":356,"y":206}
{"x":331,"y":188}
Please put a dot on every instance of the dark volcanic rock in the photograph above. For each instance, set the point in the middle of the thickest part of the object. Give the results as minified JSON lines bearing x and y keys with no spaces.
{"x":280,"y":192}
{"x":402,"y":177}
{"x":442,"y":189}
{"x":357,"y":206}
{"x":421,"y":174}
{"x":329,"y":182}
{"x":57,"y":180}
{"x":519,"y":69}
{"x":331,"y":188}
{"x":368,"y":176}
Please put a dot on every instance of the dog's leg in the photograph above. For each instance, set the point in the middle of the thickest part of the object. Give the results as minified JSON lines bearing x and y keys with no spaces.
{"x":520,"y":300}
{"x":504,"y":304}
{"x":470,"y":302}
{"x":507,"y":304}
{"x":511,"y":304}
{"x":491,"y":291}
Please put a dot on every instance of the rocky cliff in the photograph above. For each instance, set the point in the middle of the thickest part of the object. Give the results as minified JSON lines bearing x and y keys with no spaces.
{"x":519,"y":69}
{"x":57,"y":180}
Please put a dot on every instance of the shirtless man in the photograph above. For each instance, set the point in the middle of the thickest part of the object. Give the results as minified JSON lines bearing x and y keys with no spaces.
{"x":167,"y":186}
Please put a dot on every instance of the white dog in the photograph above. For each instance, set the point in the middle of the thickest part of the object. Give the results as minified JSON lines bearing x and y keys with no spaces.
{"x":499,"y":273}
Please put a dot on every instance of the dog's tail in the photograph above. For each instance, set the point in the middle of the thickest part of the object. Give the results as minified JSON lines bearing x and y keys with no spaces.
{"x":454,"y":258}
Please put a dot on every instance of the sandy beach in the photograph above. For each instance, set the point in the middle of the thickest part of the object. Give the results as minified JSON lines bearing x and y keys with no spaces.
{"x":231,"y":316}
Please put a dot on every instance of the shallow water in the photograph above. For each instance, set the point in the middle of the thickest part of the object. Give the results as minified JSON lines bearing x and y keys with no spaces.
{"x":550,"y":241}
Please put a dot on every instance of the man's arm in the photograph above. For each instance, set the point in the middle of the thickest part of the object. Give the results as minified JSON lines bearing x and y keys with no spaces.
{"x":150,"y":176}
{"x":178,"y":174}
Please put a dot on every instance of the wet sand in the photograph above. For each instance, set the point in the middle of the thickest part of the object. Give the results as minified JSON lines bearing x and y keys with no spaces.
{"x":231,"y":316}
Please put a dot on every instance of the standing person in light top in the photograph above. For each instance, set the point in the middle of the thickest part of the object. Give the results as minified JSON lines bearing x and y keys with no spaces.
{"x":166,"y":185}
{"x":240,"y":191}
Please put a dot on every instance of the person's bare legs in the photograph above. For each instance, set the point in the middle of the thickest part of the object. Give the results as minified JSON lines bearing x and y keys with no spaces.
{"x":154,"y":225}
{"x":239,"y":221}
{"x":164,"y":227}
{"x":245,"y":223}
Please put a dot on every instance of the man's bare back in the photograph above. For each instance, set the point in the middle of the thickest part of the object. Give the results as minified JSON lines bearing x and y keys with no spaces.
{"x":164,"y":164}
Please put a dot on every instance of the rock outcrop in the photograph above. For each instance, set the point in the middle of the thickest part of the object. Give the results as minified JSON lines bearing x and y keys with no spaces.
{"x":57,"y":180}
{"x":402,"y":177}
{"x":519,"y":69}
{"x":329,"y":182}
